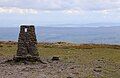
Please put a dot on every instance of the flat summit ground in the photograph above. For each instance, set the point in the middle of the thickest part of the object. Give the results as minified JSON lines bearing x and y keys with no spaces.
{"x":76,"y":61}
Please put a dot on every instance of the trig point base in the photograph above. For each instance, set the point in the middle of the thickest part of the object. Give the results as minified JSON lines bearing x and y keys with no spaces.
{"x":27,"y":44}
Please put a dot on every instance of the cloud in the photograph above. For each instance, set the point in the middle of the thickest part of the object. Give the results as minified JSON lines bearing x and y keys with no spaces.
{"x":37,"y":4}
{"x":17,"y":10}
{"x":100,"y":4}
{"x":73,"y":12}
{"x":67,"y":6}
{"x":62,"y":4}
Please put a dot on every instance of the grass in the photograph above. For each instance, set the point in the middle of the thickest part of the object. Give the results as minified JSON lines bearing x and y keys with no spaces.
{"x":68,"y":53}
{"x":8,"y":50}
{"x":79,"y":54}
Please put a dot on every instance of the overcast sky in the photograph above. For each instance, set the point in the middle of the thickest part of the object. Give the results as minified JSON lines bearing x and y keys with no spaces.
{"x":49,"y":12}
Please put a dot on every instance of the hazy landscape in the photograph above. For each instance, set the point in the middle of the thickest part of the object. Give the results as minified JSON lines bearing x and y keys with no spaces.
{"x":104,"y":35}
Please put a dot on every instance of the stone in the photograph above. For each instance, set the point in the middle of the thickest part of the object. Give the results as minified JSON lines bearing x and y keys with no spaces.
{"x":55,"y":59}
{"x":27,"y":44}
{"x":69,"y":77}
{"x":27,"y":47}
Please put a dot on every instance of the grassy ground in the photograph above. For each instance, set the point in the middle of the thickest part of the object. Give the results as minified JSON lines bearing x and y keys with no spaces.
{"x":103,"y":59}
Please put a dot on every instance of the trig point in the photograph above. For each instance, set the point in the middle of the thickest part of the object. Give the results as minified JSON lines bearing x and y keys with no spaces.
{"x":27,"y":44}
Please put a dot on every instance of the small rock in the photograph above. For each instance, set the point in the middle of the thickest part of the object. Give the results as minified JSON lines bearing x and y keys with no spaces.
{"x":99,"y":67}
{"x":55,"y":59}
{"x":96,"y":70}
{"x":69,"y":77}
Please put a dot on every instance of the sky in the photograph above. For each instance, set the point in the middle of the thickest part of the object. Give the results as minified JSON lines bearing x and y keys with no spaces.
{"x":53,"y":12}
